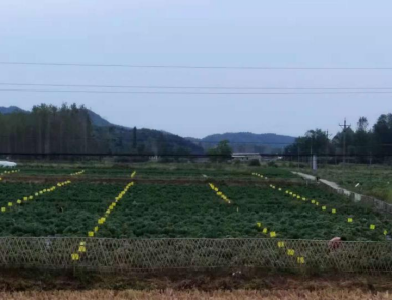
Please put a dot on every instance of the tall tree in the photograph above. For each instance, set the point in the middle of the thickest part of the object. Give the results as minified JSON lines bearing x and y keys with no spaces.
{"x":134,"y":138}
{"x":221,"y":152}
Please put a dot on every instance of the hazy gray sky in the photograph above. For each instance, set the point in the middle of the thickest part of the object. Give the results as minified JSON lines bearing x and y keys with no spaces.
{"x":281,"y":33}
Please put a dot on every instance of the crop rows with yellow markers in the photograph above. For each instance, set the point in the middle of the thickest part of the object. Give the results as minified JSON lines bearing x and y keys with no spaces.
{"x":78,"y":173}
{"x":220,"y":193}
{"x":259,"y":175}
{"x":265,"y":230}
{"x":82,"y":248}
{"x":324,"y":207}
{"x":33,"y":196}
{"x":8,"y":172}
{"x":280,"y":244}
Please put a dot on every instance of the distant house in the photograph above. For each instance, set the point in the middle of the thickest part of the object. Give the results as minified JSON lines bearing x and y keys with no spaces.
{"x":246,"y":156}
{"x":250,"y":156}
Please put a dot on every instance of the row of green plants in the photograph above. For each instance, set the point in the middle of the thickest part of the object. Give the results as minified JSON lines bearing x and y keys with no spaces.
{"x":157,"y":173}
{"x":184,"y":211}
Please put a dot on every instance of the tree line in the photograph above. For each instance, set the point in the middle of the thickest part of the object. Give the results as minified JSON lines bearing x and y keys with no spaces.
{"x":69,"y":129}
{"x":362,"y":143}
{"x":48,"y":129}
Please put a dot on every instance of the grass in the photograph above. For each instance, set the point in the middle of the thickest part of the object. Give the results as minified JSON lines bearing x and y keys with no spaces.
{"x":320,"y":294}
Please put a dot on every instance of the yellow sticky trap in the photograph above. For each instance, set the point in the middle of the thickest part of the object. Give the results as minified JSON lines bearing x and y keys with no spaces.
{"x":82,"y":249}
{"x":304,"y":199}
{"x":259,"y":224}
{"x":19,"y":201}
{"x":300,"y":260}
{"x":31,"y":197}
{"x":24,"y":198}
{"x":96,"y":229}
{"x":372,"y":227}
{"x":291,"y":252}
{"x":272,"y":234}
{"x":324,"y":207}
{"x":91,"y":233}
{"x":280,"y":244}
{"x":385,"y":232}
{"x":298,"y":197}
{"x":3,"y":209}
{"x":334,"y":211}
{"x":350,"y":220}
{"x":279,"y":189}
{"x":264,"y":230}
{"x":317,"y":203}
{"x":74,"y":256}
{"x":216,"y":189}
{"x":313,"y":201}
{"x":286,"y":192}
{"x":9,"y":203}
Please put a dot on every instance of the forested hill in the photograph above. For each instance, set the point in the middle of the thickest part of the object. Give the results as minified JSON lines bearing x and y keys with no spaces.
{"x":9,"y":110}
{"x":247,"y":141}
{"x":72,"y":129}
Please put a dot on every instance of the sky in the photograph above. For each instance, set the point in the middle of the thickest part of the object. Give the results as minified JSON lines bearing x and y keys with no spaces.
{"x":252,"y":33}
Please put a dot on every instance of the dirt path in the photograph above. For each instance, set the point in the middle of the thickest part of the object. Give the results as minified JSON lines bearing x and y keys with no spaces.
{"x":327,"y":182}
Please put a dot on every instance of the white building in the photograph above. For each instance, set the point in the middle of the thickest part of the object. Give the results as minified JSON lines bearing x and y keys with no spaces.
{"x":246,"y":156}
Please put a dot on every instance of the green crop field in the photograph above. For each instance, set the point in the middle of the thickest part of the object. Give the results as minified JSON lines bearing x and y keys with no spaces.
{"x":184,"y":211}
{"x":167,"y":171}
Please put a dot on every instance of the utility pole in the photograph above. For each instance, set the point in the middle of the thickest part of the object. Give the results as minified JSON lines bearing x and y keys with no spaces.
{"x":327,"y":147}
{"x":345,"y":127}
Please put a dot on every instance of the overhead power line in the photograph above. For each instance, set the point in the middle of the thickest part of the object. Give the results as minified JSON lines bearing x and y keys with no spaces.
{"x":188,"y":66}
{"x":191,"y":87}
{"x":189,"y":93}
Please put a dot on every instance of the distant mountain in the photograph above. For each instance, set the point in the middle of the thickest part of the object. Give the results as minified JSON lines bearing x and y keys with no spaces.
{"x":10,"y":110}
{"x":244,"y":142}
{"x":97,"y":120}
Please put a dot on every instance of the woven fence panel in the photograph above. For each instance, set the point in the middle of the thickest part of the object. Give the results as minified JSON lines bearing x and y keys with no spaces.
{"x":150,"y":254}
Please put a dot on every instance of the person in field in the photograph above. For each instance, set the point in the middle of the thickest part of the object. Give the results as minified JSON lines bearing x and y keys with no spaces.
{"x":335,"y":243}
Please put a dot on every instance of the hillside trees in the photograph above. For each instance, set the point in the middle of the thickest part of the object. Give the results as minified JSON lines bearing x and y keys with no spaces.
{"x":221,"y":152}
{"x":362,"y":143}
{"x":48,"y":129}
